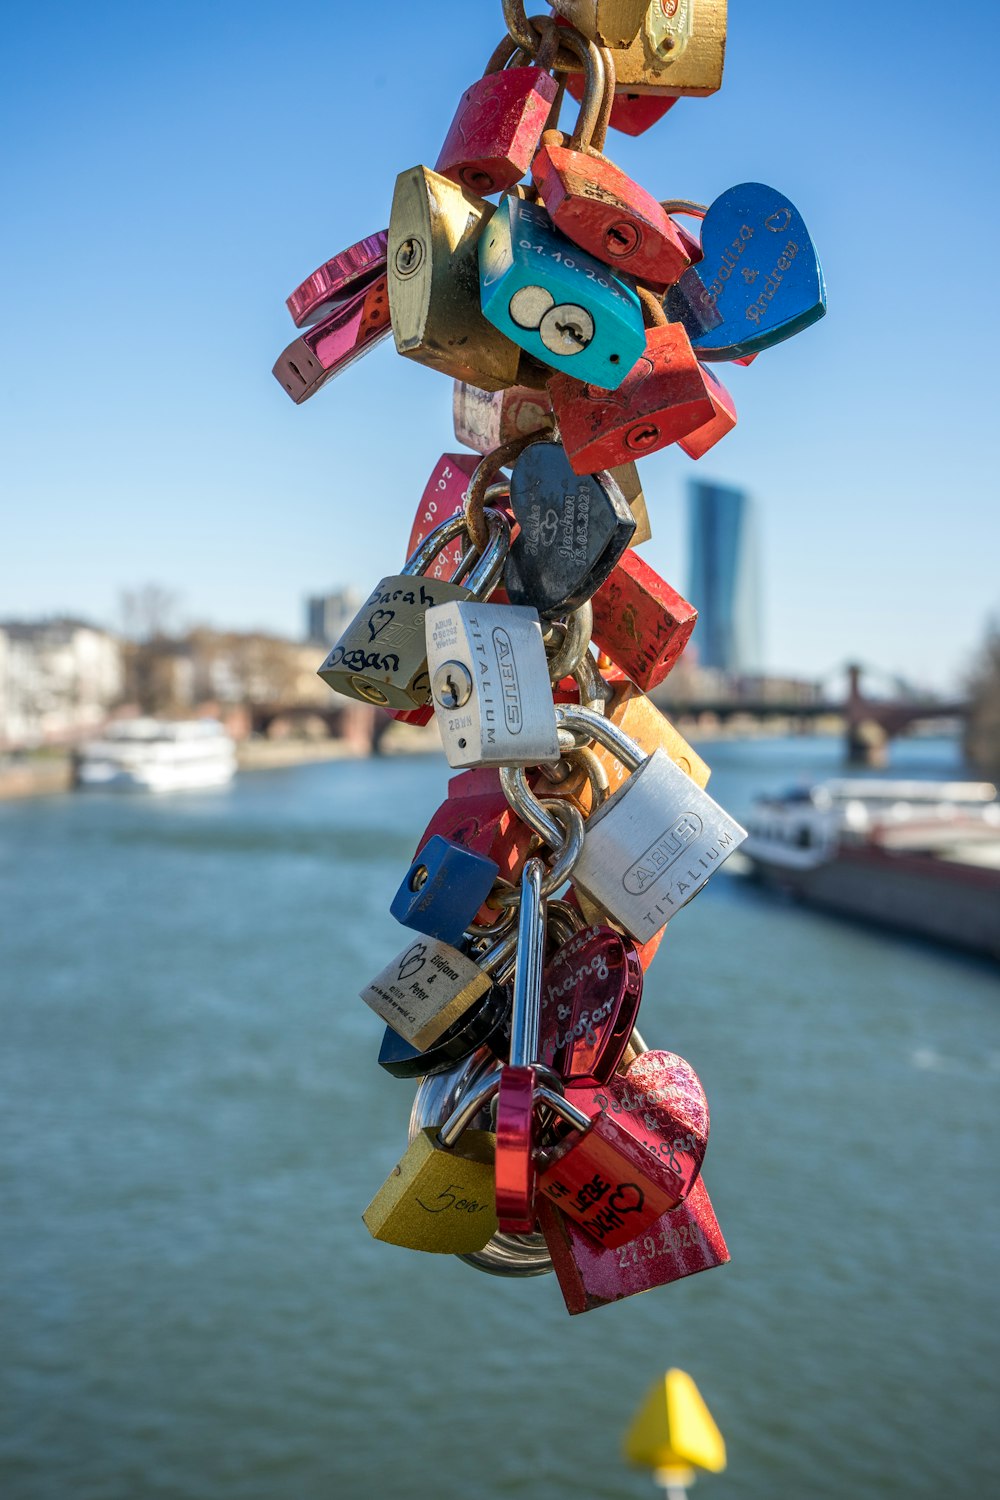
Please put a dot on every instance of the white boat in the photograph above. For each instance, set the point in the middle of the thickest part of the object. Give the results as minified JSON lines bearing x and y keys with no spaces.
{"x":158,"y":755}
{"x":922,"y":856}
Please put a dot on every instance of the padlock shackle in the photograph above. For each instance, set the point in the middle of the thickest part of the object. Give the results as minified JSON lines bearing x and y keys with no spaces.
{"x":526,"y":1011}
{"x":486,"y":574}
{"x":564,"y":921}
{"x":596,"y":727}
{"x":563,"y":1108}
{"x":466,"y":1110}
{"x":578,"y":629}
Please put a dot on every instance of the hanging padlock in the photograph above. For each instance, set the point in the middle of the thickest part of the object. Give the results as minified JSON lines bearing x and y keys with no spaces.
{"x":337,"y":279}
{"x":573,"y":530}
{"x":498,"y":122}
{"x":629,"y":709}
{"x":626,"y":476}
{"x":478,"y":816}
{"x":621,"y":1169}
{"x":614,"y":23}
{"x":431,"y":985}
{"x":648,"y":849}
{"x":597,"y":205}
{"x":442,"y":500}
{"x":680,"y":49}
{"x":681,"y":1243}
{"x":485,"y":420}
{"x":353,"y":328}
{"x":759,"y":282}
{"x":443,"y":889}
{"x":698,"y":443}
{"x":381,"y":657}
{"x":631,"y":113}
{"x":490,"y":685}
{"x":563,"y":306}
{"x":515,"y":1127}
{"x":665,"y":397}
{"x":433,"y":259}
{"x":485,"y":1024}
{"x":591,"y":991}
{"x":440,"y":1196}
{"x":641,"y":622}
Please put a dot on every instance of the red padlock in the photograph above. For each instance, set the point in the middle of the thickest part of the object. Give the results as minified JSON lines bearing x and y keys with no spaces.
{"x":641,"y":622}
{"x":591,"y":991}
{"x":337,"y":278}
{"x":514,"y":1165}
{"x":681,"y":1243}
{"x":478,"y":816}
{"x":597,"y":205}
{"x":665,"y":397}
{"x":498,"y":123}
{"x":354,"y":327}
{"x":697,"y":443}
{"x":632,"y":114}
{"x":641,"y":1154}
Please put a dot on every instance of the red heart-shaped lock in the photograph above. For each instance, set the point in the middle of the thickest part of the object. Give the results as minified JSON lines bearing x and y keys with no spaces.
{"x":590,"y":998}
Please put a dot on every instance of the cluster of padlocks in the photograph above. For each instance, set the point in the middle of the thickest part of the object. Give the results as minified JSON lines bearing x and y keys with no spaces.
{"x":577,"y":319}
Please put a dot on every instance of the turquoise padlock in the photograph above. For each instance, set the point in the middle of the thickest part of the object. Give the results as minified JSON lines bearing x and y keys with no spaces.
{"x":556,"y":301}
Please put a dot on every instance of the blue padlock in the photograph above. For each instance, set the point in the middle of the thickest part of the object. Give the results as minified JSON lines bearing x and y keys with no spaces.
{"x":556,"y":301}
{"x":760,"y":280}
{"x":443,"y":890}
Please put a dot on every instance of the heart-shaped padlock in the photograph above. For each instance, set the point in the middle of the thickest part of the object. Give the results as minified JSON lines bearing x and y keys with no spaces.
{"x":573,"y":530}
{"x":641,"y":1155}
{"x":759,"y":282}
{"x":590,"y":998}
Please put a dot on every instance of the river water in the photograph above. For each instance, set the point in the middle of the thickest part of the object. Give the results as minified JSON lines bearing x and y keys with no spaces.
{"x":192,"y":1119}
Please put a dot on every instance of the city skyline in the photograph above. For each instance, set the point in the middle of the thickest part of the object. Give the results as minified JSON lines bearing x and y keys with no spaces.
{"x":153,"y":261}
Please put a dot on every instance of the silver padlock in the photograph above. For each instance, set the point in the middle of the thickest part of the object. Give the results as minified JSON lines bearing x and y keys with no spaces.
{"x":380,"y":657}
{"x":651,"y":847}
{"x":431,"y":985}
{"x":490,"y":685}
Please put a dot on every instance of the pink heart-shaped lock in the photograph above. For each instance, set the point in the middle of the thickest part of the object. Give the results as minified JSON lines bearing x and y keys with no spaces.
{"x":590,"y":998}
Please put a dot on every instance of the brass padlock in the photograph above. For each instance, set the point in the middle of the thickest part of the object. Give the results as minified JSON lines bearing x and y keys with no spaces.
{"x":613,"y":22}
{"x":431,"y":985}
{"x":381,"y":657}
{"x":626,"y":476}
{"x":680,"y":49}
{"x":440,"y":1196}
{"x":433,"y":266}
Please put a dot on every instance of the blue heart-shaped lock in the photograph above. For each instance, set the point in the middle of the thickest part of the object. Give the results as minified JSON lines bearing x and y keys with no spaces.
{"x":760,"y":279}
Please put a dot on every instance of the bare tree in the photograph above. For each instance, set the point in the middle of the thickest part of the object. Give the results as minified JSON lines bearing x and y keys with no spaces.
{"x":982,"y":733}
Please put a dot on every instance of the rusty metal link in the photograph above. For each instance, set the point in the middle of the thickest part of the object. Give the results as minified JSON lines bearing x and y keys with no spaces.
{"x":529,"y":34}
{"x":684,"y":206}
{"x":486,"y":472}
{"x":502,"y":55}
{"x":653,"y":315}
{"x":600,"y":136}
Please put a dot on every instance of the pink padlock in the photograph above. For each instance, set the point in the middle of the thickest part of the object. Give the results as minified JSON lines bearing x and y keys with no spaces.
{"x":498,"y":123}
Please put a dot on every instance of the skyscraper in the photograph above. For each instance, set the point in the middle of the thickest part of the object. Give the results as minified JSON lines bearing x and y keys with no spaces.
{"x":328,"y":615}
{"x":724,"y":583}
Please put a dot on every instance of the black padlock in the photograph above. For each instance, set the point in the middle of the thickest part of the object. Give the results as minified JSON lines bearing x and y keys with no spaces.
{"x":573,"y":530}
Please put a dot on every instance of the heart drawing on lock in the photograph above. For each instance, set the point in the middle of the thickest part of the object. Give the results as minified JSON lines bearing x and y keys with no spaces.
{"x":384,"y":617}
{"x":480,"y":116}
{"x":760,"y":280}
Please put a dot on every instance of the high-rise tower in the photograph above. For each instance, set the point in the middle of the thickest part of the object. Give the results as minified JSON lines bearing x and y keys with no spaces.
{"x":724,"y":583}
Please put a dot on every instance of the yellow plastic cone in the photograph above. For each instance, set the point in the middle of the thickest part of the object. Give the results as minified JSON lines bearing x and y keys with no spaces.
{"x":674,"y":1429}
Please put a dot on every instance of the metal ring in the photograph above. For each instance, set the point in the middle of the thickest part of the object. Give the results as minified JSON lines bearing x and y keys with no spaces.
{"x":577,"y":631}
{"x":568,"y":845}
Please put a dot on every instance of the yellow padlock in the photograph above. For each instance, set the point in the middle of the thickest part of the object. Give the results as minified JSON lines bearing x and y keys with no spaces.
{"x":433,"y":268}
{"x":679,"y":50}
{"x":441,"y":1195}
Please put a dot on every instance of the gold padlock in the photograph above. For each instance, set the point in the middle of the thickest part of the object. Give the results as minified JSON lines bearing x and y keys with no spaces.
{"x":441,"y":1195}
{"x":433,"y":266}
{"x":630,"y":710}
{"x":626,"y":476}
{"x":612,"y":22}
{"x":381,"y":657}
{"x":680,"y":49}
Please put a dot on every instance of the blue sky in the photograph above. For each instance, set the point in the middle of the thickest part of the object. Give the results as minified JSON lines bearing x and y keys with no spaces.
{"x":170,"y":173}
